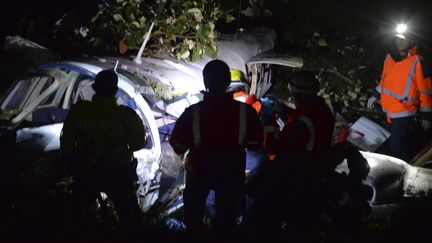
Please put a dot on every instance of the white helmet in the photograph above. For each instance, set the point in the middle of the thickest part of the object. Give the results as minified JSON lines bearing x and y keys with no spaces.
{"x":404,"y":32}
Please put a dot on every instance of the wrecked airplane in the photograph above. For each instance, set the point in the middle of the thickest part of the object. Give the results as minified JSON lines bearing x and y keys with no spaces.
{"x":34,"y":107}
{"x":159,"y":89}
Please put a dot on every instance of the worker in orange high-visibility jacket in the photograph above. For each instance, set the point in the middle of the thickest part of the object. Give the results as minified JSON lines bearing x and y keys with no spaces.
{"x":404,"y":91}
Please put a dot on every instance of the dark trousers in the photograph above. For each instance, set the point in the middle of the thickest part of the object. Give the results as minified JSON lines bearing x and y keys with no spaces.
{"x":227,"y":195}
{"x":120,"y":188}
{"x":283,"y":195}
{"x":400,"y":141}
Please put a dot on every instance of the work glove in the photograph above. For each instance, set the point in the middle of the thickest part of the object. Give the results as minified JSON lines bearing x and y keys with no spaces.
{"x":371,"y":102}
{"x":426,"y":125}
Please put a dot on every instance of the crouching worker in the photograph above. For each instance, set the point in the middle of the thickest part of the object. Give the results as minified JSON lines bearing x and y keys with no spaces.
{"x":344,"y":195}
{"x":216,"y":132}
{"x":97,"y":142}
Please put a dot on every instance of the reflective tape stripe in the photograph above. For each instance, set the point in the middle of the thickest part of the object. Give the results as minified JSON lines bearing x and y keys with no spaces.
{"x":387,"y":58}
{"x":401,"y":114}
{"x":410,"y":78}
{"x":425,"y":109}
{"x":378,"y":89}
{"x":312,"y":134}
{"x":242,"y":125}
{"x":196,"y":127}
{"x":399,"y":97}
{"x":196,"y":130}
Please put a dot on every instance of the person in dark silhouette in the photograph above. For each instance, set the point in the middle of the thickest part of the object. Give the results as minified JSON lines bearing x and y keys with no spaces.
{"x":293,"y":176}
{"x":215,"y":133}
{"x":97,"y":142}
{"x":301,"y":185}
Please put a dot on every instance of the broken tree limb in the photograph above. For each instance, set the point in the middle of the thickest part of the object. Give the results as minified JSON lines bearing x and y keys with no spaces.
{"x":335,"y":72}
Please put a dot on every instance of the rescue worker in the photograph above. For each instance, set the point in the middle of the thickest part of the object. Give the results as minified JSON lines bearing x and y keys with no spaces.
{"x":310,"y":126}
{"x":214,"y":133}
{"x":303,"y":143}
{"x":254,"y":158}
{"x":240,"y":90}
{"x":404,"y":91}
{"x":295,"y":174}
{"x":97,"y":142}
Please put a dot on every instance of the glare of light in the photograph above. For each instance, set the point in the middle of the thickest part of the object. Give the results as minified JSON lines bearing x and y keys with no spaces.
{"x":401,"y":28}
{"x":372,"y":162}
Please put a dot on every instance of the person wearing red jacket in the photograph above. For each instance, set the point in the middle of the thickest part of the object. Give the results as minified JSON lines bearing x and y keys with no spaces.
{"x":309,"y":128}
{"x":404,"y":90}
{"x":215,"y":133}
{"x":296,"y":173}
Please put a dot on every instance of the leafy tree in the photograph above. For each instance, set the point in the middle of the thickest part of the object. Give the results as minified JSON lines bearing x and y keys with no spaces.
{"x":345,"y":42}
{"x":342,"y":42}
{"x":182,"y":29}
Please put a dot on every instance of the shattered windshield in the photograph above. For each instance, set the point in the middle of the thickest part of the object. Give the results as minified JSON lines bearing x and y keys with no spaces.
{"x":25,"y":92}
{"x":17,"y":99}
{"x":36,"y":91}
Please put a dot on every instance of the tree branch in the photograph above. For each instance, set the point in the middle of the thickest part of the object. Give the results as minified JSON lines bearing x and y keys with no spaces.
{"x":335,"y":72}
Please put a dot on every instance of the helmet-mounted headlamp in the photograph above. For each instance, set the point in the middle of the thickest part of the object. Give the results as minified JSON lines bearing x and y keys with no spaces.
{"x":402,"y":31}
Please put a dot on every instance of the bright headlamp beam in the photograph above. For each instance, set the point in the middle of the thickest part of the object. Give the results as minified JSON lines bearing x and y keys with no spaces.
{"x":401,"y":28}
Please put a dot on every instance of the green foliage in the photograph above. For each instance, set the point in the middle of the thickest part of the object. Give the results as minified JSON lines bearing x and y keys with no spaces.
{"x":184,"y":29}
{"x":343,"y":45}
{"x":345,"y":71}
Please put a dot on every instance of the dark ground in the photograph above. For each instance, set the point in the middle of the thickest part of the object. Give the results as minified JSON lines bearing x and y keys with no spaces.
{"x":44,"y":217}
{"x":35,"y":209}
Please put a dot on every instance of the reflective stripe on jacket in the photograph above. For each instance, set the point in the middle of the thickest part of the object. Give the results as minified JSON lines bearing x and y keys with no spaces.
{"x":403,"y":87}
{"x":219,"y":120}
{"x":308,"y":129}
{"x":197,"y":129}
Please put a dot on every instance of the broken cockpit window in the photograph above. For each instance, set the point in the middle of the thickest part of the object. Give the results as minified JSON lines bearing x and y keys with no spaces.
{"x":27,"y":92}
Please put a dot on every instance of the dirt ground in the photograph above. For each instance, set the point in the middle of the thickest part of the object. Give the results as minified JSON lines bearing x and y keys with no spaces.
{"x":33,"y":211}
